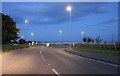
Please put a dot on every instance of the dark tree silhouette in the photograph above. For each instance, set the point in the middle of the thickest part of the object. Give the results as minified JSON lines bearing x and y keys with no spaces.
{"x":98,"y":40}
{"x":84,"y":39}
{"x":29,"y":41}
{"x":92,"y":40}
{"x":9,"y":30}
{"x":22,"y":41}
{"x":89,"y":40}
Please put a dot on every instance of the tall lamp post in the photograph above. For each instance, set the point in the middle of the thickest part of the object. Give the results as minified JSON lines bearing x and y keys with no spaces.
{"x":26,"y":22}
{"x":69,"y":9}
{"x":60,"y":36}
{"x":32,"y":36}
{"x":22,"y":39}
{"x":82,"y":36}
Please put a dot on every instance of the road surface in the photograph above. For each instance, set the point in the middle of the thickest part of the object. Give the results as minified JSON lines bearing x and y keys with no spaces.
{"x":49,"y":60}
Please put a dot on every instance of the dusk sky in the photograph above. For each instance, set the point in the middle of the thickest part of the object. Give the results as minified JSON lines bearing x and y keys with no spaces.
{"x":47,"y":18}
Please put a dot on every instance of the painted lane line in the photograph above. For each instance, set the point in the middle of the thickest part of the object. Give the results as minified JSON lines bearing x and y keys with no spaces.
{"x":100,"y":61}
{"x":40,"y":52}
{"x":103,"y":62}
{"x":43,"y":58}
{"x":56,"y":72}
{"x":115,"y":65}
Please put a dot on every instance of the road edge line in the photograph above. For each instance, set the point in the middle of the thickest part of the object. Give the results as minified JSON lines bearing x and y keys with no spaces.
{"x":94,"y":59}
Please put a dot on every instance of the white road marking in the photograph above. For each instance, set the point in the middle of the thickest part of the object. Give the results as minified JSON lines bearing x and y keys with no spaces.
{"x":99,"y":61}
{"x":48,"y":64}
{"x":40,"y":52}
{"x":43,"y":57}
{"x":56,"y":72}
{"x":103,"y":62}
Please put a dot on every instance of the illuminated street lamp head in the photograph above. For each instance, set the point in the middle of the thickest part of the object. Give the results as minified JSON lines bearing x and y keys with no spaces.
{"x":69,"y":8}
{"x":26,"y":21}
{"x":22,"y":37}
{"x":60,"y":31}
{"x":31,"y":34}
{"x":82,"y":32}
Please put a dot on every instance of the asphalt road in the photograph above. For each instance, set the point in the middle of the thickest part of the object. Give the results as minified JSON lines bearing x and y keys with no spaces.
{"x":49,"y":60}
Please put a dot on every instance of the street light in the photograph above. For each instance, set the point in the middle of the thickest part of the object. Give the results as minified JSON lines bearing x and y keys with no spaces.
{"x":32,"y":36}
{"x":60,"y":36}
{"x":22,"y":39}
{"x":26,"y":21}
{"x":69,"y":9}
{"x":82,"y":36}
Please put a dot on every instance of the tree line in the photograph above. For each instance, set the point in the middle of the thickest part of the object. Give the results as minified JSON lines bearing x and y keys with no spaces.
{"x":10,"y":33}
{"x":91,"y":40}
{"x":9,"y":30}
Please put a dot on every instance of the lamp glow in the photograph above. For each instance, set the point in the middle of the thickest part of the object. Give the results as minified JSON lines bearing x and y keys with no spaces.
{"x":22,"y":36}
{"x":82,"y":32}
{"x":32,"y":34}
{"x":60,"y":31}
{"x":26,"y":21}
{"x":69,"y":8}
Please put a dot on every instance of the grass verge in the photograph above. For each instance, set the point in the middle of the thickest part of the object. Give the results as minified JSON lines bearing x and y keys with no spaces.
{"x":97,"y":50}
{"x":9,"y":47}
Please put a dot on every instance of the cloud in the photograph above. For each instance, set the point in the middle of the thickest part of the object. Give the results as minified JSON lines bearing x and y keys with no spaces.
{"x":108,"y":22}
{"x":53,"y":13}
{"x":104,"y":25}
